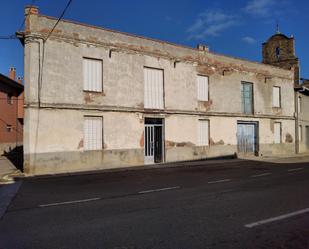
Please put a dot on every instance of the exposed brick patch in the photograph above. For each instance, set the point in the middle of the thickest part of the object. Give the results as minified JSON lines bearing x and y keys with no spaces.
{"x":170,"y":144}
{"x":141,"y":141}
{"x":212,"y":142}
{"x":80,"y":144}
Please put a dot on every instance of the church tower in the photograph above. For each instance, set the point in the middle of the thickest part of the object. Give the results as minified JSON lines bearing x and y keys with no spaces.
{"x":279,"y":50}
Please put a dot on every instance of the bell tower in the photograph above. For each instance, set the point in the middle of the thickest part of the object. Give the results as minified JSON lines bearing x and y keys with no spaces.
{"x":279,"y":50}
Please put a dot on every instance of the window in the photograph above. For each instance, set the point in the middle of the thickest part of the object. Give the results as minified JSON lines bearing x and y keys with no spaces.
{"x":276,"y":96}
{"x":277,"y":132}
{"x":153,"y":88}
{"x":247,"y":97}
{"x":203,"y":132}
{"x":278,"y":51}
{"x":93,"y":76}
{"x":299,"y":104}
{"x":300,"y":133}
{"x":202,"y":88}
{"x":9,"y":99}
{"x":9,"y":128}
{"x":93,"y":133}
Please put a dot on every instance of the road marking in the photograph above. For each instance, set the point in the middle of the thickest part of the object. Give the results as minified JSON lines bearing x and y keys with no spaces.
{"x":69,"y":202}
{"x":281,"y":217}
{"x":264,"y":174}
{"x":219,"y":181}
{"x":158,"y":190}
{"x":296,"y":169}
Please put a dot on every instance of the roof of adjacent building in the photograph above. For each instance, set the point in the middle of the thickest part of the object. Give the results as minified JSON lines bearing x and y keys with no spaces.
{"x":11,"y":83}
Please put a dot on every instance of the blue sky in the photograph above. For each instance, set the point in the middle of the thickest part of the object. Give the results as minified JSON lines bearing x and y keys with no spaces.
{"x":236,"y":28}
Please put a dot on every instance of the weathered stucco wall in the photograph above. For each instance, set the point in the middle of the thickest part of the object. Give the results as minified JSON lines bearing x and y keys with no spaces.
{"x":53,"y":137}
{"x":304,"y":122}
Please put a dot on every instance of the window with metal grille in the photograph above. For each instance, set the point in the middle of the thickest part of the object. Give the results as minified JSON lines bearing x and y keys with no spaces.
{"x":202,"y":88}
{"x":276,"y":96}
{"x":203,"y":132}
{"x":277,"y":132}
{"x":153,"y":88}
{"x":247,"y":97}
{"x":93,"y":133}
{"x":93,"y":74}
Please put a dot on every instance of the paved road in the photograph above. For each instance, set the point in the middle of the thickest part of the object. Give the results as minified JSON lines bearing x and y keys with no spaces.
{"x":236,"y":204}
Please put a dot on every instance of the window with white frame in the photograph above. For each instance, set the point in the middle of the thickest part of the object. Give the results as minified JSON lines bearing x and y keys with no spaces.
{"x":93,"y":74}
{"x":202,"y":88}
{"x":203,"y":132}
{"x":93,"y":133}
{"x":299,"y":104}
{"x":300,"y":133}
{"x":277,"y":132}
{"x":276,"y":96}
{"x":153,"y":88}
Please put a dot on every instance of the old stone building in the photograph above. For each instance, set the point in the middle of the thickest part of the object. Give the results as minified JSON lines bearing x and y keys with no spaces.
{"x":97,"y":98}
{"x":302,"y":122}
{"x":279,"y":51}
{"x":11,"y":112}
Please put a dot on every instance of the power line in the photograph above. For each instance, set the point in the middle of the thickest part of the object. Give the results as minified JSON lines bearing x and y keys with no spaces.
{"x":59,"y":19}
{"x":12,"y":37}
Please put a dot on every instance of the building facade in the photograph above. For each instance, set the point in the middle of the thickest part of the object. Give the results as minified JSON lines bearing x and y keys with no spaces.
{"x":302,"y":100}
{"x":279,"y":50}
{"x":11,"y":112}
{"x":101,"y":99}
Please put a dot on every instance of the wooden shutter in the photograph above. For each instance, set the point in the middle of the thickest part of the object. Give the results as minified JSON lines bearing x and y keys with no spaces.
{"x":203,"y":132}
{"x":153,"y":88}
{"x":202,"y":88}
{"x":92,"y":70}
{"x":276,"y":96}
{"x":93,"y":133}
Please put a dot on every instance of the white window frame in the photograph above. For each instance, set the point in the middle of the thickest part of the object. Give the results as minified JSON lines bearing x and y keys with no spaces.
{"x":202,"y":87}
{"x":92,"y":77}
{"x":299,"y":107}
{"x":153,"y":88}
{"x":93,"y":137}
{"x":278,"y":135}
{"x":203,"y":141}
{"x":277,"y":96}
{"x":300,"y":133}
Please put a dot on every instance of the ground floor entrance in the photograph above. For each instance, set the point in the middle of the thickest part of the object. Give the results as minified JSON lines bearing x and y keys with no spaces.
{"x":247,"y":134}
{"x":153,"y":140}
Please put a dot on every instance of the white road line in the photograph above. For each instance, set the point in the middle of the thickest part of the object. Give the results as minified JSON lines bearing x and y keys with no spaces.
{"x":296,"y":169}
{"x":264,"y":174}
{"x":281,"y":217}
{"x":158,"y":190}
{"x":219,"y":181}
{"x":69,"y":202}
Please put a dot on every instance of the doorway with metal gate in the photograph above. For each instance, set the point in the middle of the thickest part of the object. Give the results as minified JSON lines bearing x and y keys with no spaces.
{"x":247,"y":138}
{"x":153,"y":140}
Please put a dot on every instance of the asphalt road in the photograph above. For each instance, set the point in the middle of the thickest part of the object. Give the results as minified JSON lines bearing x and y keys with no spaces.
{"x":235,"y":204}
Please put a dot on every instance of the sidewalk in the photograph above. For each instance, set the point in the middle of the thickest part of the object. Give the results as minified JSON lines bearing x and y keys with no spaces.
{"x":293,"y":158}
{"x":8,"y":171}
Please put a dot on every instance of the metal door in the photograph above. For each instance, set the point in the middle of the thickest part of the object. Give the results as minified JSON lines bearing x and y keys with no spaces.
{"x":246,"y":137}
{"x":158,"y":144}
{"x":149,"y":144}
{"x":153,"y":143}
